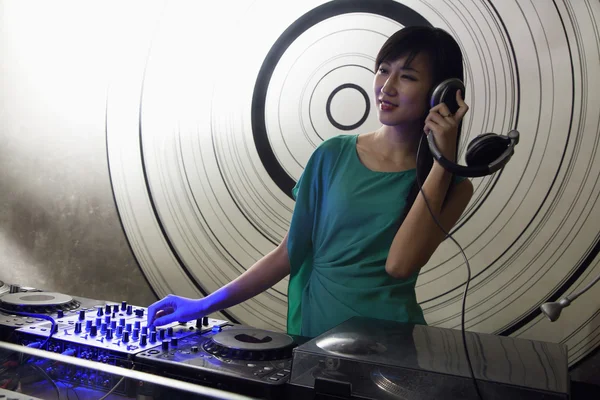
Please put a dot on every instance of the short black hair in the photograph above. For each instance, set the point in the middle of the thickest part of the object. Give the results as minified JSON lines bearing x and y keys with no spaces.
{"x":442,"y":50}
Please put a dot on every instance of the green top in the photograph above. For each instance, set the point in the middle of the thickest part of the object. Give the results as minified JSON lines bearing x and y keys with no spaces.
{"x":344,"y":222}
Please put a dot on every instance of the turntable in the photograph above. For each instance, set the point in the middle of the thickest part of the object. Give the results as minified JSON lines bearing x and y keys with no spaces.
{"x":232,"y":357}
{"x":38,"y":302}
{"x":33,"y":301}
{"x":365,"y":358}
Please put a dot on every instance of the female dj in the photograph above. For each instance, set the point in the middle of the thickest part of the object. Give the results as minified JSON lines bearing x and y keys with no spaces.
{"x":361,"y":230}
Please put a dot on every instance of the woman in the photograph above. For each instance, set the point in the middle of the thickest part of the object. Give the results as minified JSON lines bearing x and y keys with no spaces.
{"x":361,"y":229}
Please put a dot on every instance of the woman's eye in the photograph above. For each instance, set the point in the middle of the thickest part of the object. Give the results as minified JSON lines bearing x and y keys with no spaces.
{"x":382,"y":70}
{"x":410,"y":78}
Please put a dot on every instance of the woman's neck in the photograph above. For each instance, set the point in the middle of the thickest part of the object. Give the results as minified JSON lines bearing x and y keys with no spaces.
{"x":398,"y":143}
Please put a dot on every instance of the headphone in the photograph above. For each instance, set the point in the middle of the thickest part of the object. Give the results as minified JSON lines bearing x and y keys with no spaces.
{"x":486,"y":154}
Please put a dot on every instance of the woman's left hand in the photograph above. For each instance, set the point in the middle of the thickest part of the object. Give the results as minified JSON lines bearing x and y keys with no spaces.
{"x":445,"y":126}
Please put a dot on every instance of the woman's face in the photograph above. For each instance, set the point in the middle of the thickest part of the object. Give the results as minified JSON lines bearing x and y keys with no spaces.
{"x":401,"y":91}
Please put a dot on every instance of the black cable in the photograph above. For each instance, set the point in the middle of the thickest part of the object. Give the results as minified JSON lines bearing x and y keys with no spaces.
{"x":116,"y":386}
{"x":464,"y":300}
{"x":49,"y":379}
{"x":72,"y":389}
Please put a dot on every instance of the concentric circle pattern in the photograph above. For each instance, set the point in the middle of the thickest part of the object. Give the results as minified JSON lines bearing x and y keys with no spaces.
{"x":213,"y":116}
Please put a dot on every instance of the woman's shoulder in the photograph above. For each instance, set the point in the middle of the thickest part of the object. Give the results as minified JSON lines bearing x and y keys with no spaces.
{"x":334,"y":145}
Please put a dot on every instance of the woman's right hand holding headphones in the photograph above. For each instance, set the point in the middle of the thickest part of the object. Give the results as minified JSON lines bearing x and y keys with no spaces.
{"x":444,"y":125}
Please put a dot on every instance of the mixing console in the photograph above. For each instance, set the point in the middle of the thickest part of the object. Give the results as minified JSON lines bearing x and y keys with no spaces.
{"x":110,"y":333}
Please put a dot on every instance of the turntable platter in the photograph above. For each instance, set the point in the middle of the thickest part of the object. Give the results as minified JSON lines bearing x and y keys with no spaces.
{"x":250,"y":344}
{"x":37,"y":302}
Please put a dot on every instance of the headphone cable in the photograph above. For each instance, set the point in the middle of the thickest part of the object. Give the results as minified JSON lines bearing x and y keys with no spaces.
{"x":464,"y":300}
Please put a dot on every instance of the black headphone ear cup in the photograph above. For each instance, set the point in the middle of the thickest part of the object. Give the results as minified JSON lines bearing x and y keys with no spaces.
{"x":485,"y":149}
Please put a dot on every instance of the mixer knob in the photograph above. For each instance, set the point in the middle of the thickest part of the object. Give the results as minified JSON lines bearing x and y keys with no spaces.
{"x":216,"y":329}
{"x":98,"y":321}
{"x":125,"y":338}
{"x":205,"y":321}
{"x":136,"y":333}
{"x":107,"y":309}
{"x":104,"y":327}
{"x":129,"y":310}
{"x":153,"y":328}
{"x":161,"y":334}
{"x":88,"y":325}
{"x":143,"y":339}
{"x":139,"y":312}
{"x":55,"y":329}
{"x":174,"y":342}
{"x":198,"y":323}
{"x":152,"y":336}
{"x":170,"y":331}
{"x":109,"y":334}
{"x":60,"y":314}
{"x":123,"y":305}
{"x":81,"y":315}
{"x":194,"y":349}
{"x":115,"y":309}
{"x":165,"y":345}
{"x":77,"y":327}
{"x":119,"y":330}
{"x":107,"y":319}
{"x":113,"y":324}
{"x":137,"y":324}
{"x":128,"y":327}
{"x":93,"y":330}
{"x":100,"y":312}
{"x":145,"y":330}
{"x":122,"y":322}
